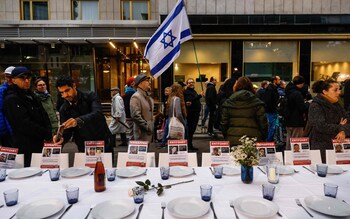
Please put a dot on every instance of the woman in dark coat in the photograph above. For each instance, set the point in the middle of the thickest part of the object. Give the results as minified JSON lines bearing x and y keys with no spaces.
{"x":327,"y":118}
{"x":243,"y":114}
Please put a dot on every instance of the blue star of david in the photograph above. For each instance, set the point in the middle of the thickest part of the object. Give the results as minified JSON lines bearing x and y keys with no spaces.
{"x":172,"y":39}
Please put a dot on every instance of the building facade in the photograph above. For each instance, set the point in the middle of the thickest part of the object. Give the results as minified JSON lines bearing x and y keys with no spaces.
{"x":93,"y":40}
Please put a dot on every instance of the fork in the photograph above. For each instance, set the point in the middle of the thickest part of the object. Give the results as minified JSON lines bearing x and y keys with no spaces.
{"x":163,"y":205}
{"x":299,"y":204}
{"x":87,"y":216}
{"x":233,"y":207}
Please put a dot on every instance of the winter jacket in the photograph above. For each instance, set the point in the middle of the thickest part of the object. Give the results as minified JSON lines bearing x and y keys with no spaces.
{"x":117,"y":111}
{"x":210,"y":96}
{"x":296,"y":107}
{"x":92,"y":124}
{"x":141,"y":109}
{"x":243,"y":114}
{"x":4,"y":125}
{"x":29,"y":121}
{"x":324,"y":118}
{"x":191,"y":95}
{"x":49,"y":106}
{"x":271,"y":99}
{"x":129,"y":91}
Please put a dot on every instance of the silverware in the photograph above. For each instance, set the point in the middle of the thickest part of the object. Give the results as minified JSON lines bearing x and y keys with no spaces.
{"x":163,"y":205}
{"x":212,"y":171}
{"x":1,"y":205}
{"x":299,"y":204}
{"x":279,"y":214}
{"x":42,"y":172}
{"x":233,"y":207}
{"x":13,"y":216}
{"x":194,"y":172}
{"x":145,"y":173}
{"x":212,"y":208}
{"x":65,"y":211}
{"x":262,"y":170}
{"x":87,"y":216}
{"x":313,"y":172}
{"x":342,"y":200}
{"x":92,"y":172}
{"x":140,"y":209}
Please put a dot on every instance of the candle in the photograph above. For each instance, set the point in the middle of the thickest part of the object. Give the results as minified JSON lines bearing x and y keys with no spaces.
{"x":272,"y":174}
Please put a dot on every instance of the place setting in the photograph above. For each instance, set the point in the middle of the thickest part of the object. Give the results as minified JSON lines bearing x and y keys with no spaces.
{"x":331,"y":169}
{"x":131,"y":171}
{"x":181,"y":171}
{"x":75,"y":172}
{"x":328,"y":204}
{"x":25,"y":173}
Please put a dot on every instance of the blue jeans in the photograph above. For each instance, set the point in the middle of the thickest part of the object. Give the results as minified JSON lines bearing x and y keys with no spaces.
{"x":271,"y":119}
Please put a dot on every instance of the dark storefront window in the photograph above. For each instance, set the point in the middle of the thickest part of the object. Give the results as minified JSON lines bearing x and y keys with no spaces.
{"x":34,"y":10}
{"x":135,"y":9}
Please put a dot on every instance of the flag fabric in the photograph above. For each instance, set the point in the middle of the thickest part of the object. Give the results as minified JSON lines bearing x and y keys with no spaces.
{"x":164,"y":46}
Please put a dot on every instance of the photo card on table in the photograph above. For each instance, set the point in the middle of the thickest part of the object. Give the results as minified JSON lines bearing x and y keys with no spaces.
{"x":342,"y":151}
{"x":8,"y":157}
{"x":267,"y":151}
{"x":300,"y":151}
{"x":219,"y":153}
{"x":178,"y":153}
{"x":93,"y":150}
{"x":51,"y":156}
{"x":137,"y":153}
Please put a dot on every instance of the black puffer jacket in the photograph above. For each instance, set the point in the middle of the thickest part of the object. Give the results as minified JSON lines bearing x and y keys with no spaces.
{"x":324,"y":119}
{"x":191,"y":95}
{"x":296,"y":107}
{"x":29,"y":121}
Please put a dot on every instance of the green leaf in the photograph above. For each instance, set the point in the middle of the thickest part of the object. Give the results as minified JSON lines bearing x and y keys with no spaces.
{"x":160,"y":185}
{"x":160,"y":191}
{"x":140,"y":183}
{"x":148,"y":182}
{"x":146,"y":187}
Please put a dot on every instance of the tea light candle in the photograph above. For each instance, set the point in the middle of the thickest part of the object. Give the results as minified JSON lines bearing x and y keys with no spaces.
{"x":272,"y":174}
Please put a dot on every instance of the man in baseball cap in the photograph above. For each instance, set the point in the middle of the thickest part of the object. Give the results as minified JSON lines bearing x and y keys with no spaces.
{"x":5,"y":129}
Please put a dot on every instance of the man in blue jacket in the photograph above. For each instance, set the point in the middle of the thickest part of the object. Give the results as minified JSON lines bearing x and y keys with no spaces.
{"x":5,"y":129}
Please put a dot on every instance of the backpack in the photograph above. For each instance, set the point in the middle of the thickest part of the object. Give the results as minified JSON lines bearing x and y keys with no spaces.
{"x":282,"y":106}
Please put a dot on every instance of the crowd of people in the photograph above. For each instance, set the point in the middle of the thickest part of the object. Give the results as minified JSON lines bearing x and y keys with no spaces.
{"x":28,"y":118}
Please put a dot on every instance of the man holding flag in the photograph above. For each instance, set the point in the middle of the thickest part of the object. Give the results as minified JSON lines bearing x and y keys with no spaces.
{"x":164,"y":46}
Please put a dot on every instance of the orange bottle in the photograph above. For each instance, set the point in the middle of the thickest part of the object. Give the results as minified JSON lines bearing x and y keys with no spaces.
{"x":99,"y":176}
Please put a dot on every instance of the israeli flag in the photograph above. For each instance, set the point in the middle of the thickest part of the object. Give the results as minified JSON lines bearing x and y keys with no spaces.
{"x":164,"y":46}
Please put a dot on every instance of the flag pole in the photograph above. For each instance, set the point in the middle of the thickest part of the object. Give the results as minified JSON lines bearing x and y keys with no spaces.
{"x":199,"y":71}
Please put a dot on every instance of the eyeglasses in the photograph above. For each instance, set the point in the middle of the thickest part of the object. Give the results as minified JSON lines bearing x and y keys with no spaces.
{"x":41,"y":85}
{"x":25,"y":77}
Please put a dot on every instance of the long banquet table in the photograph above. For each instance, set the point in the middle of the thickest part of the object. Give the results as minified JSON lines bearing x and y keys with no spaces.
{"x":297,"y":185}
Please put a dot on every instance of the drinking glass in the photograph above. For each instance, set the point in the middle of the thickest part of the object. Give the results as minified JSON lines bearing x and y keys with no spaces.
{"x":322,"y":170}
{"x":164,"y":173}
{"x":72,"y":194}
{"x":330,"y":190}
{"x":206,"y":191}
{"x":54,"y":174}
{"x":11,"y":197}
{"x":2,"y":175}
{"x":110,"y":174}
{"x":268,"y":191}
{"x":138,"y":194}
{"x":218,"y":170}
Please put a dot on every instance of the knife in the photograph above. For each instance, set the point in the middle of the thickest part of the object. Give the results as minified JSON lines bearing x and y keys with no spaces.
{"x":212,"y":208}
{"x":309,"y":169}
{"x":65,"y":211}
{"x":262,"y":170}
{"x":140,"y":209}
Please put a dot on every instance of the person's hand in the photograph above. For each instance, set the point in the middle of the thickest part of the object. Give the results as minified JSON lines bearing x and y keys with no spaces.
{"x":70,"y":123}
{"x":188,"y":103}
{"x":340,"y":136}
{"x":202,"y":93}
{"x":54,"y":139}
{"x":343,"y":121}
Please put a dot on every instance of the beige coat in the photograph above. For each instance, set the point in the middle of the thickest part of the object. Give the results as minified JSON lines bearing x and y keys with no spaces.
{"x":141,"y":109}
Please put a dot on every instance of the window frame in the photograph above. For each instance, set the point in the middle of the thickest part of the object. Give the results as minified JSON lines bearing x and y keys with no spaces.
{"x":131,"y":11}
{"x":72,"y":11}
{"x":31,"y":9}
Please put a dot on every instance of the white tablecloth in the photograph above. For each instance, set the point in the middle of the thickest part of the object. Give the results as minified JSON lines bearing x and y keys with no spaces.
{"x":298,"y":185}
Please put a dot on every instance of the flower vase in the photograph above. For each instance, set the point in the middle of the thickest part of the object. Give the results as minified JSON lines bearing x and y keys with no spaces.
{"x":247,"y":174}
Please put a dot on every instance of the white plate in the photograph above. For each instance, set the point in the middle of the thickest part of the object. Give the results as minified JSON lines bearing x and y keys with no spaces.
{"x":332,"y":169}
{"x":255,"y":207}
{"x":130,"y":171}
{"x":180,"y":171}
{"x":188,"y":207}
{"x":285,"y":170}
{"x":24,"y":172}
{"x":327,"y":205}
{"x":75,"y":172}
{"x":113,"y":209}
{"x":40,"y":209}
{"x":231,"y":170}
